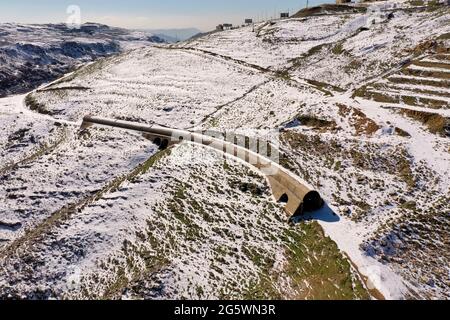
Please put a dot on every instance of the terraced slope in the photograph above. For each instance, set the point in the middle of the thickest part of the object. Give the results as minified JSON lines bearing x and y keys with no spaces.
{"x":423,"y":83}
{"x":418,"y":90}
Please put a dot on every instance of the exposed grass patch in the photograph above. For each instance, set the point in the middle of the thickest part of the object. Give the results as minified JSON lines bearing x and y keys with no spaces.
{"x":417,"y":3}
{"x":387,"y":88}
{"x":409,"y":205}
{"x":315,"y":269}
{"x":338,"y":48}
{"x":74,"y":88}
{"x":43,"y":149}
{"x":214,"y":122}
{"x":423,"y":81}
{"x":298,"y":62}
{"x":434,"y":122}
{"x":324,"y":87}
{"x":429,"y":64}
{"x":424,"y":102}
{"x":445,"y":36}
{"x":283,"y":74}
{"x":394,"y":98}
{"x":357,"y":119}
{"x":426,"y":73}
{"x":402,"y":133}
{"x":396,"y":162}
{"x":128,"y":274}
{"x":312,"y":121}
{"x":433,"y":5}
{"x":328,"y":272}
{"x":428,"y":46}
{"x":355,"y":64}
{"x":316,"y":123}
{"x":34,"y":105}
{"x":327,"y":9}
{"x":442,"y":57}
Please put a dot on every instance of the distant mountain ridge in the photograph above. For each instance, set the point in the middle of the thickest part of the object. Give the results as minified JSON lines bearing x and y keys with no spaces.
{"x":34,"y":54}
{"x":174,"y":35}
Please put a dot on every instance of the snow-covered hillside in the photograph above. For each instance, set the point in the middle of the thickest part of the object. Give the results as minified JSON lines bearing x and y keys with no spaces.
{"x":360,"y":99}
{"x":34,"y":54}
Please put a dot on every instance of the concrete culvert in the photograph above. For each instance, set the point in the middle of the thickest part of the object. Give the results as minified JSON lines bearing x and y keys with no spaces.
{"x":312,"y":201}
{"x":269,"y":150}
{"x":157,"y":141}
{"x":164,"y":144}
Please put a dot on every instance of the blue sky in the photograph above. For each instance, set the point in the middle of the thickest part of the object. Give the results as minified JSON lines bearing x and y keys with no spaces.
{"x":148,"y":14}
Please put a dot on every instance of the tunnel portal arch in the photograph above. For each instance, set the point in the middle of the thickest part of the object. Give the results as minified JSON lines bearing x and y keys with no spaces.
{"x":164,"y":144}
{"x":284,"y":198}
{"x":157,"y":141}
{"x":312,"y":201}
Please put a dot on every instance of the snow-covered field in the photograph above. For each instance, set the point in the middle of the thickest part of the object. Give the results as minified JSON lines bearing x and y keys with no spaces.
{"x":362,"y":111}
{"x":165,"y":235}
{"x":274,"y":45}
{"x":151,"y":85}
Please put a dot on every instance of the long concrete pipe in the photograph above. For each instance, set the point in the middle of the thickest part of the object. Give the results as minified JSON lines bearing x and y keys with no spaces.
{"x":286,"y":186}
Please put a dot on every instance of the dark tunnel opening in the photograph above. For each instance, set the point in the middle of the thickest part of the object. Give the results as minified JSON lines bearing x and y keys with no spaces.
{"x":284,"y":198}
{"x":312,"y":201}
{"x":161,"y":143}
{"x":164,"y":144}
{"x":157,"y":141}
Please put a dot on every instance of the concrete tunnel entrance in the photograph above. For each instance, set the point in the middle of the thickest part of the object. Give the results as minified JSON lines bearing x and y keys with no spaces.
{"x":161,"y":143}
{"x":284,"y":198}
{"x":157,"y":141}
{"x":312,"y":201}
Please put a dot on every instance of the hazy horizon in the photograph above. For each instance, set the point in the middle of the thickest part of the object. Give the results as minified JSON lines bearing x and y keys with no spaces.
{"x":139,"y":14}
